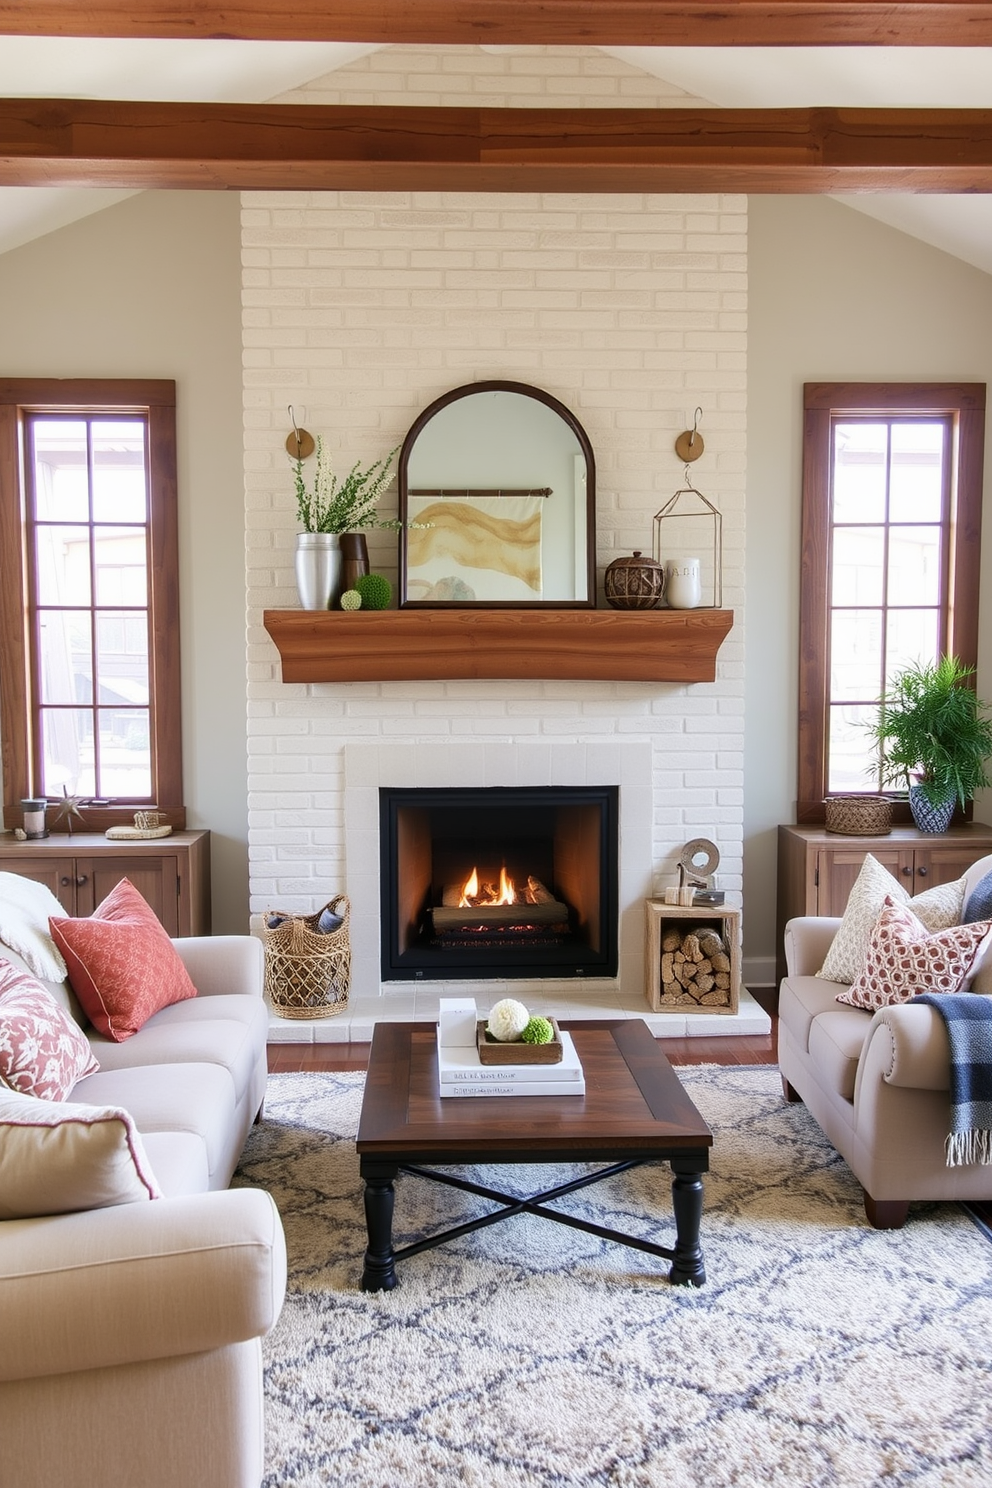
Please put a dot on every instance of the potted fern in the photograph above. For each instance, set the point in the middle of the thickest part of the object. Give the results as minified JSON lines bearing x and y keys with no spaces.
{"x":934,"y":737}
{"x":331,"y":509}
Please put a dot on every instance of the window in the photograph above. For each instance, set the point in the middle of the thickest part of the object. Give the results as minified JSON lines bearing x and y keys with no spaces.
{"x":89,"y":659}
{"x":892,"y":492}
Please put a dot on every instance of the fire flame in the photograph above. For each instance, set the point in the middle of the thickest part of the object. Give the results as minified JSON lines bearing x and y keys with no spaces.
{"x":474,"y":895}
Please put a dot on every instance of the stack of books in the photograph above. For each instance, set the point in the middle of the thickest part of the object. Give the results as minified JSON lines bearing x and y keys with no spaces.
{"x":461,"y":1073}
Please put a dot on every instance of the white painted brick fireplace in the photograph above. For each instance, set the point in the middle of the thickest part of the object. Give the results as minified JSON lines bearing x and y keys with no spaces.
{"x":359,"y":310}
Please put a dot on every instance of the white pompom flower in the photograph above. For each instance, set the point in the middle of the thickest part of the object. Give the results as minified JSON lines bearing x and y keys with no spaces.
{"x":507,"y":1020}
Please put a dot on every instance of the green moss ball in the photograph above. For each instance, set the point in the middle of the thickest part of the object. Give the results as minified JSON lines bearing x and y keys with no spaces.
{"x":375,"y":590}
{"x":538,"y":1031}
{"x":351,"y":600}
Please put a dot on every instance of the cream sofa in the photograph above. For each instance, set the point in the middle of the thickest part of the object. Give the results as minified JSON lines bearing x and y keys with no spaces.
{"x":131,"y":1352}
{"x":878,"y":1084}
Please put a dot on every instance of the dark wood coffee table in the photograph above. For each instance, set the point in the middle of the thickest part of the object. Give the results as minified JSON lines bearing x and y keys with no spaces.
{"x":634,"y":1111}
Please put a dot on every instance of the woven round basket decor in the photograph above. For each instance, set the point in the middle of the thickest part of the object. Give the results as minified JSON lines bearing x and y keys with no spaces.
{"x":859,"y":816}
{"x":307,"y":973}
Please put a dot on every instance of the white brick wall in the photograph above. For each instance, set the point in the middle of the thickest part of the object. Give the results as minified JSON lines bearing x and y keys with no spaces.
{"x":359,"y":309}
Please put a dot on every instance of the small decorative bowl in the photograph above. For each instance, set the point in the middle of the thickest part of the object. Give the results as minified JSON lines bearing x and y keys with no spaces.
{"x":492,"y":1051}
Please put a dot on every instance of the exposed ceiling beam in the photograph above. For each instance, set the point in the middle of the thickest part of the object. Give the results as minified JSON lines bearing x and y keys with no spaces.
{"x":543,"y":22}
{"x":58,"y":142}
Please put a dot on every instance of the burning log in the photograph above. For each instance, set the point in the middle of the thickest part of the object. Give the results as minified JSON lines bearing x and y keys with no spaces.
{"x":448,"y":918}
{"x":477,"y":905}
{"x":695,"y":968}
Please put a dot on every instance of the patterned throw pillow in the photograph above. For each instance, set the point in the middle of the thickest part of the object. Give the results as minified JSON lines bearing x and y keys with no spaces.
{"x":57,"y":1158}
{"x":938,"y":908}
{"x":122,"y":965}
{"x":904,"y":959}
{"x":42,"y":1052}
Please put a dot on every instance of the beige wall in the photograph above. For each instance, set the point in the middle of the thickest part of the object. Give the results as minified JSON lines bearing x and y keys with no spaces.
{"x":832,"y":295}
{"x":151,"y":288}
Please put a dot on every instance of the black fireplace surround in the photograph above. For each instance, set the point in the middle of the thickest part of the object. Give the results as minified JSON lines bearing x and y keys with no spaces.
{"x":562,"y":840}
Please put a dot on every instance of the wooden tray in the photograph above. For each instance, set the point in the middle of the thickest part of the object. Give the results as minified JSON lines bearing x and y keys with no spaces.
{"x":491,"y":1051}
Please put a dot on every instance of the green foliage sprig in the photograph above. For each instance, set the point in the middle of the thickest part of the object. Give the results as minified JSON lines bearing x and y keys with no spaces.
{"x":931,"y":726}
{"x":345,"y":506}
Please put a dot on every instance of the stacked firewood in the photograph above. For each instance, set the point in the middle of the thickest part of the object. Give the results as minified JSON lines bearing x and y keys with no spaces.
{"x":695,"y":968}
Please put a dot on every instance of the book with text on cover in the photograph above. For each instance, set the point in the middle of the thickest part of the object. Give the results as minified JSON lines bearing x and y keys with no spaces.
{"x":460,"y":1072}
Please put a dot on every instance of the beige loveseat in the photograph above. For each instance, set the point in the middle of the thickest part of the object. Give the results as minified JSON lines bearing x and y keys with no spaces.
{"x":131,"y":1352}
{"x":878,"y":1084}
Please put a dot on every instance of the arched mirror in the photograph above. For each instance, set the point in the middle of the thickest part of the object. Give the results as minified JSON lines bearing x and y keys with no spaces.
{"x":497,"y":497}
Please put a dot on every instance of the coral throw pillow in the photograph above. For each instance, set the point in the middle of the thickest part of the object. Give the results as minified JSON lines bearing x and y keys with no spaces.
{"x":903,"y":959}
{"x":42,"y":1051}
{"x":122,"y":965}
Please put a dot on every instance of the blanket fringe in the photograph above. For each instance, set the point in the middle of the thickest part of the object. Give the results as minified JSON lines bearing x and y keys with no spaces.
{"x":967,"y":1148}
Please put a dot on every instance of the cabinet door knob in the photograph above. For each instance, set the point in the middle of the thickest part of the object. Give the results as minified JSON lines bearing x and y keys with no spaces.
{"x":81,"y":879}
{"x":65,"y":882}
{"x":922,"y":872}
{"x":907,"y":872}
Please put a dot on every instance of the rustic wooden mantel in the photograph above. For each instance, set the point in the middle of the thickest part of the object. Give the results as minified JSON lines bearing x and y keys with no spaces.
{"x":540,"y":644}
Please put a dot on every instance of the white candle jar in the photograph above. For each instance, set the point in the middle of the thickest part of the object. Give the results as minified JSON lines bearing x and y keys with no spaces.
{"x":683,"y":588}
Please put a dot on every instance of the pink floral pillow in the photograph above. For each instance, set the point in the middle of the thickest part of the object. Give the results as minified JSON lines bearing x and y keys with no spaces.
{"x":42,"y":1051}
{"x":904,"y":959}
{"x":122,"y":965}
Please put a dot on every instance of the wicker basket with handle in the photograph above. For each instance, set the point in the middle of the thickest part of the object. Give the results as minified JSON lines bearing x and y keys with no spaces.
{"x":859,"y":816}
{"x":307,"y":973}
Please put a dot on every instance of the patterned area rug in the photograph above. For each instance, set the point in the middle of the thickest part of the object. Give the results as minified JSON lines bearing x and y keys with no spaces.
{"x":819,"y":1353}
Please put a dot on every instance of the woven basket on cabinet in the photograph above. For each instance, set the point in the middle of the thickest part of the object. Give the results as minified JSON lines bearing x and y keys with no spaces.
{"x":859,"y":816}
{"x":307,"y":974}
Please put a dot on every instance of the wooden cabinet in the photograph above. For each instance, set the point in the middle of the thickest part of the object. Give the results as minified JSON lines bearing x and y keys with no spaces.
{"x":816,"y":868}
{"x":171,"y":873}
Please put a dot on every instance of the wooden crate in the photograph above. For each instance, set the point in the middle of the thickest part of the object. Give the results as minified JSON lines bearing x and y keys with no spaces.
{"x":691,"y":920}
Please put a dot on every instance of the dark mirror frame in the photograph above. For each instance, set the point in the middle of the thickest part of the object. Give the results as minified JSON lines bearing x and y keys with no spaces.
{"x":525,"y":390}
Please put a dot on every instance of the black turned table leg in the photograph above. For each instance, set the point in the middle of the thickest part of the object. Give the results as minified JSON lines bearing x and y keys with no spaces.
{"x":379,"y":1274}
{"x":687,"y":1202}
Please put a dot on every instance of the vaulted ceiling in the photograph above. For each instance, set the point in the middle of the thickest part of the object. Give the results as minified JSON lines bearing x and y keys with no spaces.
{"x":890,"y":99}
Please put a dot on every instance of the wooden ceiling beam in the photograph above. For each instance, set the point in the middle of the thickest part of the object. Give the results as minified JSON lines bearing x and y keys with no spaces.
{"x":532,"y":22}
{"x":58,"y":142}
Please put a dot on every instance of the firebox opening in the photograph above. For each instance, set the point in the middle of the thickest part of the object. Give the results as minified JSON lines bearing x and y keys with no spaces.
{"x":498,"y":882}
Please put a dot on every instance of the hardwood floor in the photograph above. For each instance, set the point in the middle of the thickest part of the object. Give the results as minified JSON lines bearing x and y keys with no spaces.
{"x":741,"y":1049}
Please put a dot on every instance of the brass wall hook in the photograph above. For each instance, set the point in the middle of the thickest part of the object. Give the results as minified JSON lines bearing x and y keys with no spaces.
{"x":299,"y":444}
{"x":689,"y":444}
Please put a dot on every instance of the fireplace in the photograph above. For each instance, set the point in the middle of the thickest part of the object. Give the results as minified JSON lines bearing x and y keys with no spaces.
{"x":508,"y":882}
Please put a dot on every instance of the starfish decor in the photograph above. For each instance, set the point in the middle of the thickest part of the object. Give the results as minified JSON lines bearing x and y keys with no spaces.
{"x":68,"y":809}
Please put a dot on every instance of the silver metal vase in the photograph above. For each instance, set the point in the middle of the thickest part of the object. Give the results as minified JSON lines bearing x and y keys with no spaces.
{"x":318,"y":569}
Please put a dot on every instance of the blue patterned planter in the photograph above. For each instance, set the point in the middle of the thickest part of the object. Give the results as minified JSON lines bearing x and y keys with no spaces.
{"x":930,"y":818}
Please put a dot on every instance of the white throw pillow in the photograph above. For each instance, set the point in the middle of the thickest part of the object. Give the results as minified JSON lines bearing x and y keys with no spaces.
{"x":56,"y":1158}
{"x":25,"y":909}
{"x":938,"y":908}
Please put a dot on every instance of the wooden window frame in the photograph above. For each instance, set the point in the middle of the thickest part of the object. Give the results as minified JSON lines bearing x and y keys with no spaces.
{"x":155,"y":399}
{"x":964,"y":404}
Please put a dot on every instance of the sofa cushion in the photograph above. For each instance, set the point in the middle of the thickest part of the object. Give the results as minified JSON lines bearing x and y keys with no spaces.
{"x":231,"y":1042}
{"x":122,"y":965}
{"x":195,"y":1098}
{"x":56,"y":1158}
{"x":937,"y":908}
{"x":42,"y":1051}
{"x":836,"y":1039}
{"x":179,"y":1162}
{"x":803,"y":998}
{"x":904,"y":959}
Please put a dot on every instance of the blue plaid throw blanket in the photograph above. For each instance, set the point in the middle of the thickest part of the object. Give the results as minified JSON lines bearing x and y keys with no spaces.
{"x":969,"y":1029}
